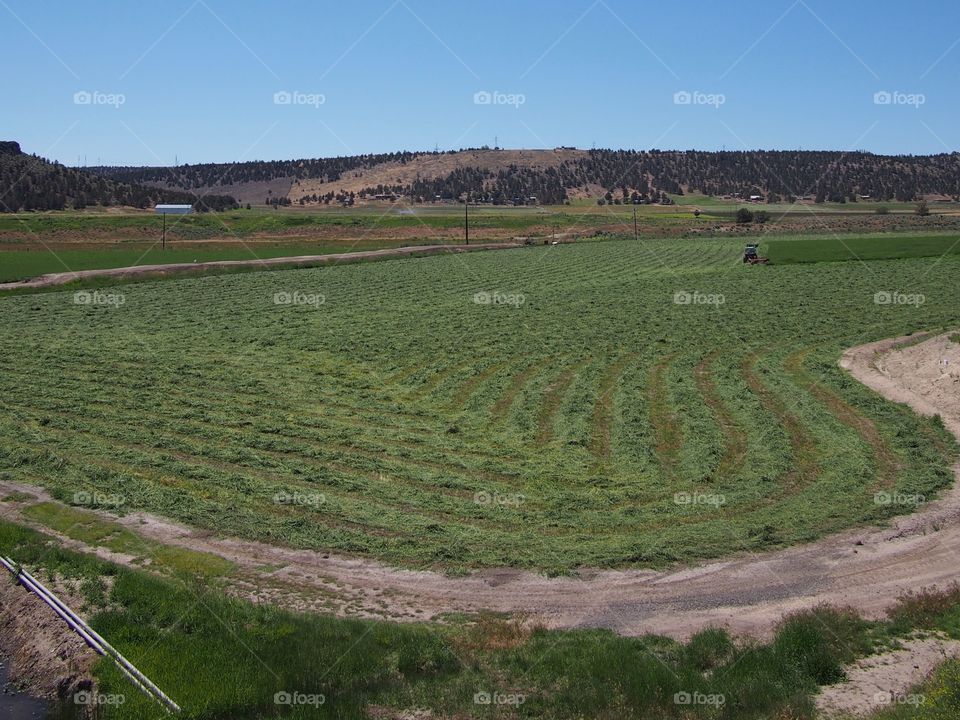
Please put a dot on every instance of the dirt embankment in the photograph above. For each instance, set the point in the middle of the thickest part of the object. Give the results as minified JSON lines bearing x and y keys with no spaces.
{"x":47,"y":659}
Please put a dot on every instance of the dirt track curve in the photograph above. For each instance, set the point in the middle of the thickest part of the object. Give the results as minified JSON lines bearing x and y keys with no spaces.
{"x":63,"y":278}
{"x":866,"y":568}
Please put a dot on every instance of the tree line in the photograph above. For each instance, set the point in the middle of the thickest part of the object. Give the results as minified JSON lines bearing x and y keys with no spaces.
{"x":29,"y":182}
{"x":624,"y":176}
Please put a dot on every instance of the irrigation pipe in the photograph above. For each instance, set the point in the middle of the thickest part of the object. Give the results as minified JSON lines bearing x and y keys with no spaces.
{"x":89,"y":635}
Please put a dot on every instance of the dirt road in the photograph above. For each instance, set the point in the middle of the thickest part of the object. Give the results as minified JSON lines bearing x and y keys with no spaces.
{"x":62,"y":278}
{"x":865,"y":568}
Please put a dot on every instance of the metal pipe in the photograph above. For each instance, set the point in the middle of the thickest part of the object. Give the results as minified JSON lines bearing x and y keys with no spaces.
{"x":89,"y":635}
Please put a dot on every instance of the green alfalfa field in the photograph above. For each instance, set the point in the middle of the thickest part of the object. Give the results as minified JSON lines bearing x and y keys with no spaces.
{"x":603,"y":404}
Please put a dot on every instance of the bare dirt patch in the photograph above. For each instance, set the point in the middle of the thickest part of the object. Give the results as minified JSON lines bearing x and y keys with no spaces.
{"x":886,"y":679}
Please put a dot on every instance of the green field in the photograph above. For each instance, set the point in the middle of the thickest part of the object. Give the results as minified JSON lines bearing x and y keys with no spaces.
{"x":244,"y":223}
{"x":22,"y":264}
{"x":876,"y":247}
{"x":33,"y":244}
{"x":600,"y":406}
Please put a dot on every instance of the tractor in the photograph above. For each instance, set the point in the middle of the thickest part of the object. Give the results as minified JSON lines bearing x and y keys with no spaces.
{"x":751,"y":255}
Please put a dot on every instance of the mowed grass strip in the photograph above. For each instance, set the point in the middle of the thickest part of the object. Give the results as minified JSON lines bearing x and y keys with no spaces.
{"x":603,"y":410}
{"x":669,"y":437}
{"x":888,"y":463}
{"x":552,"y":400}
{"x":805,"y":467}
{"x":735,"y":439}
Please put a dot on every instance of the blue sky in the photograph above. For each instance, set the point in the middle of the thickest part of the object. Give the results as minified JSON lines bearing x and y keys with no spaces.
{"x":143,"y":83}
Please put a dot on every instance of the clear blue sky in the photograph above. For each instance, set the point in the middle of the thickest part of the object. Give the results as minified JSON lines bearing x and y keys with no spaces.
{"x":198,"y":78}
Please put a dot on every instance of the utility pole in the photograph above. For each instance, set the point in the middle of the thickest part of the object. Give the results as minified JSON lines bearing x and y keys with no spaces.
{"x":466,"y":219}
{"x":163,"y":236}
{"x":636,"y":235}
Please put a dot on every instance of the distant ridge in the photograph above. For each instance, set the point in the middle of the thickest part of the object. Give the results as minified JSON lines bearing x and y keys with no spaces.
{"x":561,"y":174}
{"x":29,"y":182}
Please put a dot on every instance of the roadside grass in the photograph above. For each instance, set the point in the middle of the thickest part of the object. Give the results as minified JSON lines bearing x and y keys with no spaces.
{"x":20,"y":264}
{"x":928,"y":609}
{"x":91,"y":529}
{"x":223,"y":658}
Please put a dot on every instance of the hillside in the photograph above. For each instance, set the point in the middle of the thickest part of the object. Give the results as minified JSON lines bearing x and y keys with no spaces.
{"x":562,"y":174}
{"x":30,"y":182}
